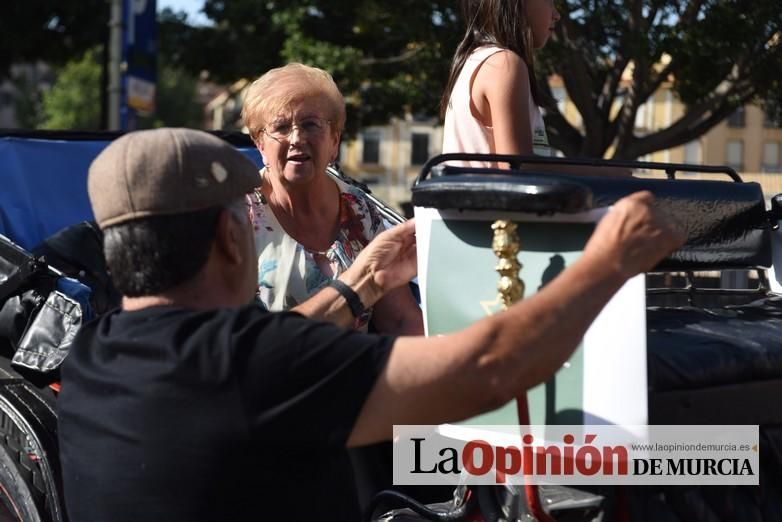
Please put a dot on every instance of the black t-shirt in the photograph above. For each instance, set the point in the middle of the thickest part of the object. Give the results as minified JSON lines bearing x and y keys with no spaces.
{"x":169,"y":414}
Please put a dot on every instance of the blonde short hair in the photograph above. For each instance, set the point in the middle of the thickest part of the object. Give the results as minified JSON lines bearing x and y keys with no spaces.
{"x":270,"y":94}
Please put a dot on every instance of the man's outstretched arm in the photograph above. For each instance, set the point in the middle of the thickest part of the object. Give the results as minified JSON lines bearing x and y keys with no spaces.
{"x":452,"y":377}
{"x":388,"y":262}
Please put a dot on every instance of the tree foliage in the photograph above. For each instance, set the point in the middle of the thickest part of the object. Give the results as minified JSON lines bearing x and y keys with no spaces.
{"x":176,"y":100}
{"x":52,"y":31}
{"x":388,"y":58}
{"x":392,"y":58}
{"x":74,"y":101}
{"x":719,"y":54}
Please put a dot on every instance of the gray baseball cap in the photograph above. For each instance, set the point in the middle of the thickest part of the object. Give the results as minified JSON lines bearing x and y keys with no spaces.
{"x":165,"y":172}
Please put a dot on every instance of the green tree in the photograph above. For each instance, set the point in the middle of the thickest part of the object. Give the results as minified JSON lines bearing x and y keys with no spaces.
{"x":176,"y":100}
{"x":720,"y":55}
{"x":74,"y":101}
{"x":388,"y":58}
{"x":52,"y":31}
{"x":393,"y":57}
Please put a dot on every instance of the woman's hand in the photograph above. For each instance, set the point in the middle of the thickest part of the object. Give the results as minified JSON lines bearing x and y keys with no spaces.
{"x":386,"y":264}
{"x":388,"y":261}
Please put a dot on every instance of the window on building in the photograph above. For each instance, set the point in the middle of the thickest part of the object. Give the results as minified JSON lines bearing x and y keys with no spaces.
{"x":370,"y":154}
{"x":692,"y":152}
{"x":734,"y":154}
{"x":771,"y":157}
{"x":419,"y":153}
{"x":737,"y":118}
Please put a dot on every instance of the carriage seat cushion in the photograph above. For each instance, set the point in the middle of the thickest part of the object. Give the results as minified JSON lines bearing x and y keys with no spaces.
{"x":692,"y":348}
{"x":725,"y":222}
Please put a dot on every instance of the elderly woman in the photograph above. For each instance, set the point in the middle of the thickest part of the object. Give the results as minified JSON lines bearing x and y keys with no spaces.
{"x":310,"y":227}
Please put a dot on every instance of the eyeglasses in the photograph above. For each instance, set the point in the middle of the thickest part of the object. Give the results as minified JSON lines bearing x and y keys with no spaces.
{"x":282,"y":130}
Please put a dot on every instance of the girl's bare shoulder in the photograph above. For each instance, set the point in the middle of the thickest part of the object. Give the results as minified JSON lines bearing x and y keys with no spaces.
{"x":502,"y":70}
{"x":505,"y":61}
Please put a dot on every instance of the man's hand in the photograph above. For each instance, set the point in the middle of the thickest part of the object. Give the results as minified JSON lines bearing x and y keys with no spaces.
{"x":388,"y":261}
{"x":634,"y":236}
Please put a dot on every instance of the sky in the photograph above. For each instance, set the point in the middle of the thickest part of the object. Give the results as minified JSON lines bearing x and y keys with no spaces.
{"x":191,"y":7}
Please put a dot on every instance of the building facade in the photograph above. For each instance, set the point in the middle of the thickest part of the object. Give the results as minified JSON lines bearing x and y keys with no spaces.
{"x":388,"y":157}
{"x":749,"y":141}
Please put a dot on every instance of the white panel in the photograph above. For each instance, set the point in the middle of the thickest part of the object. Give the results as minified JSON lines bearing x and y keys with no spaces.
{"x":615,"y":360}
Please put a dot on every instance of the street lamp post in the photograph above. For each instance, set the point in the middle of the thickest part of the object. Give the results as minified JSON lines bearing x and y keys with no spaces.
{"x":115,"y":65}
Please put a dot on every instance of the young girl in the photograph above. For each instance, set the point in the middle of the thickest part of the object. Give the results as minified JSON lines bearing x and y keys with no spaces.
{"x":491,"y":99}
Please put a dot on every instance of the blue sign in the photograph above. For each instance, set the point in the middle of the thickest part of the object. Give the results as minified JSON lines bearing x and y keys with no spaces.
{"x":139,"y":54}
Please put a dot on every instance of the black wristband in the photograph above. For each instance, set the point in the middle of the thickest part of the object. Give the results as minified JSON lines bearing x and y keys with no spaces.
{"x":352,"y":298}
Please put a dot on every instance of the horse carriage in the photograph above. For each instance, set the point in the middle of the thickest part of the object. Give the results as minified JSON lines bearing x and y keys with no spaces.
{"x":671,"y":348}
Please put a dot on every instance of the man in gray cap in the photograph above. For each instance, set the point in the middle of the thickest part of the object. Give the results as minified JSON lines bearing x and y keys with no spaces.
{"x":193,"y":403}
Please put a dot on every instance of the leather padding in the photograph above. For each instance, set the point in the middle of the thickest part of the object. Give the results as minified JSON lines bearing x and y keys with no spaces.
{"x":726,"y":223}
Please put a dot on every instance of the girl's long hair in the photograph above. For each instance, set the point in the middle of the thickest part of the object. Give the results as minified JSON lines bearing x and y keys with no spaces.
{"x":502,"y":23}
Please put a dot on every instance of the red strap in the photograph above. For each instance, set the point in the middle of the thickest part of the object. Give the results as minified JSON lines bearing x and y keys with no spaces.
{"x":531,"y":491}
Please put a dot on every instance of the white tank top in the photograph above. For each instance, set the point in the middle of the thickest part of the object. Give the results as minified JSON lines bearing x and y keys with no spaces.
{"x":462,"y":132}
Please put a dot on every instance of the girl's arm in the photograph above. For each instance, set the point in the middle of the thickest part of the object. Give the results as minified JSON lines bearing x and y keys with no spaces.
{"x":500,"y":96}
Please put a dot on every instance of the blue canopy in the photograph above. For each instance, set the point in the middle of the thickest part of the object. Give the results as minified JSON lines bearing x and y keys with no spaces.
{"x":43,"y":180}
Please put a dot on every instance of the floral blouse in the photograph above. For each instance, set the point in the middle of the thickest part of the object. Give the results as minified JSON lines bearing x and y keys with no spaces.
{"x":288,"y":274}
